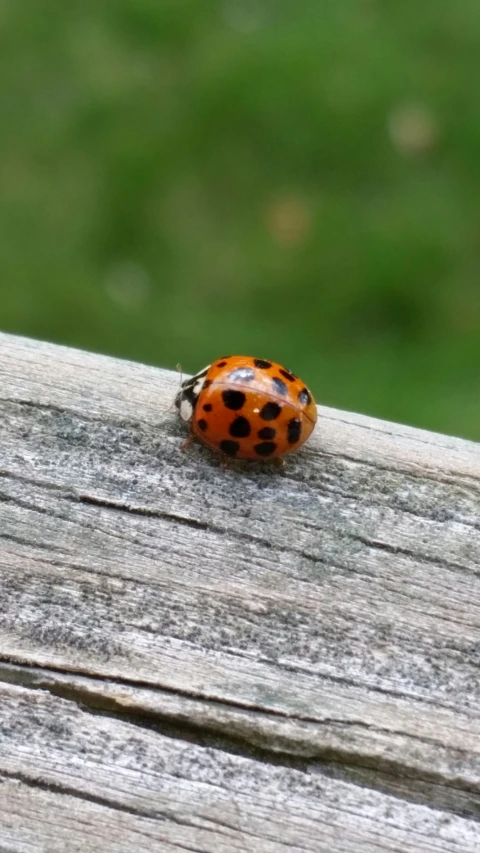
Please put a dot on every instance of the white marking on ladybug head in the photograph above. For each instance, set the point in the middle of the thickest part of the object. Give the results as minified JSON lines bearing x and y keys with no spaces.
{"x":186,"y":409}
{"x":198,"y":386}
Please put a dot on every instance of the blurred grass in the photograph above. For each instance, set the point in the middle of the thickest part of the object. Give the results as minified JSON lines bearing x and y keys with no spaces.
{"x":298,"y":181}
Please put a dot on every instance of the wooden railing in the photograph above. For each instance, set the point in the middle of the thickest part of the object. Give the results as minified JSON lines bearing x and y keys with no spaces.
{"x":230,"y":660}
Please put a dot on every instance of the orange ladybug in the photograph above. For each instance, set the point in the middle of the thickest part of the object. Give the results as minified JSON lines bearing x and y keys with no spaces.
{"x":247,"y":408}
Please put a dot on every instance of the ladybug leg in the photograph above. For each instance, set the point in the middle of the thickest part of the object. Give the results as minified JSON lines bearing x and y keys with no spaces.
{"x":279,"y":463}
{"x":187,"y":442}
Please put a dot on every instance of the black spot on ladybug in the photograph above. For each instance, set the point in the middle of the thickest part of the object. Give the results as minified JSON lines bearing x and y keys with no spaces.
{"x":230,"y":448}
{"x":263,"y":365}
{"x":207,"y":407}
{"x":287,"y":375}
{"x":206,"y":384}
{"x":265,"y":448}
{"x":233,"y":399}
{"x":221,"y":364}
{"x":267,"y":432}
{"x":202,"y":424}
{"x":270,"y":411}
{"x":279,"y":386}
{"x":294,"y":429}
{"x":240,"y":427}
{"x":242,"y":374}
{"x":304,"y":397}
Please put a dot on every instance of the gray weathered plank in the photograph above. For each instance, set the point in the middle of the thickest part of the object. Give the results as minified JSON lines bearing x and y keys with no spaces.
{"x":327,"y":615}
{"x":176,"y":793}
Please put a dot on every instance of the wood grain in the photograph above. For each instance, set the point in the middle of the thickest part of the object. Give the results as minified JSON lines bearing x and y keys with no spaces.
{"x":311,"y":635}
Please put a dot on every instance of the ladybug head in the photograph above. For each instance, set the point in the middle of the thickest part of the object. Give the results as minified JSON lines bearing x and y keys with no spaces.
{"x":185,"y":401}
{"x":187,"y":397}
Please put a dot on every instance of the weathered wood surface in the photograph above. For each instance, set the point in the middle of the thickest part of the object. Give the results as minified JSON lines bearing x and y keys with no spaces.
{"x":194,"y":658}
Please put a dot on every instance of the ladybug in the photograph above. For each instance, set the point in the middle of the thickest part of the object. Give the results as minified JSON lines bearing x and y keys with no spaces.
{"x":247,"y":408}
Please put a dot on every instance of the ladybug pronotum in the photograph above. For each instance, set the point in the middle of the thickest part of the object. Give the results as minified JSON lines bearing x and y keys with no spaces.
{"x":247,"y":408}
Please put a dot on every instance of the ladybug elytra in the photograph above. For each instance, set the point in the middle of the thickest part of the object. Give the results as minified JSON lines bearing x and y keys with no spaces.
{"x":247,"y":408}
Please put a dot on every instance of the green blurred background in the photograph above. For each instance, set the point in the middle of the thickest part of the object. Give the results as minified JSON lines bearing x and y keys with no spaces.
{"x":293,"y":179}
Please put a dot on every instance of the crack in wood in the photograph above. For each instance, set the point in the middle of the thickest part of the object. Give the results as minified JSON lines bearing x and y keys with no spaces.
{"x":105,"y":802}
{"x":107,"y":503}
{"x":361,"y":769}
{"x":118,"y":506}
{"x":65,"y":790}
{"x":21,"y":540}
